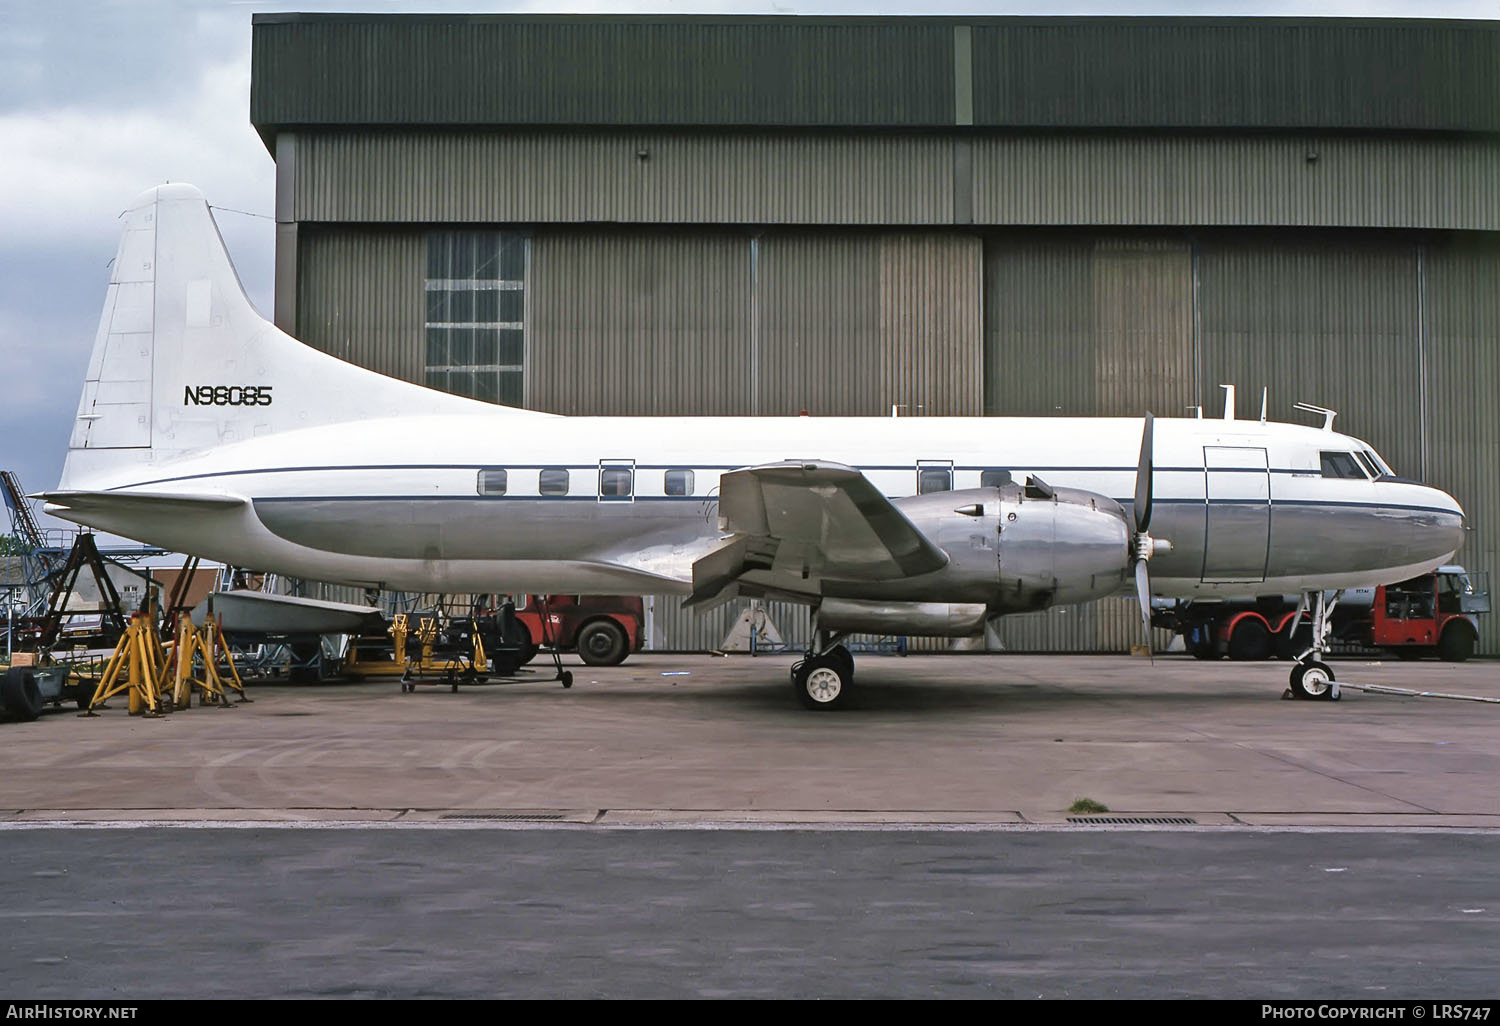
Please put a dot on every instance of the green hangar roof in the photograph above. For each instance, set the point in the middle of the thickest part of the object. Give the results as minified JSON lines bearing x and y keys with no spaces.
{"x":330,"y":70}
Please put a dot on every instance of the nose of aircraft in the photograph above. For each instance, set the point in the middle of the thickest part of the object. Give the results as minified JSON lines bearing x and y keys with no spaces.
{"x":1446,"y":532}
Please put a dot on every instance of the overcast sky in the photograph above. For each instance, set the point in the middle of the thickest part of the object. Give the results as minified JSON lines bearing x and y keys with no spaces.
{"x":102,"y":99}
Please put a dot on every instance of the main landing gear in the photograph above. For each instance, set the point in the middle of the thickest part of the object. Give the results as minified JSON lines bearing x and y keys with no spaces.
{"x":1311,"y":677}
{"x":824,"y":678}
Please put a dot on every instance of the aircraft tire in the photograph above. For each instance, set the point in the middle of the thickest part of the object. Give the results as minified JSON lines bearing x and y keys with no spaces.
{"x":19,"y":694}
{"x":822,"y":682}
{"x":603,"y":643}
{"x":1313,"y":680}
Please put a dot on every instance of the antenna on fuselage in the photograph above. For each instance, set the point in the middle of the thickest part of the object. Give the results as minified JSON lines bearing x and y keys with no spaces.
{"x":1328,"y":414}
{"x":1263,"y":393}
{"x":1228,"y":401}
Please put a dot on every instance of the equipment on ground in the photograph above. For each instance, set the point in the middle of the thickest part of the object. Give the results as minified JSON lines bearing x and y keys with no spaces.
{"x":1433,"y":614}
{"x":603,"y":629}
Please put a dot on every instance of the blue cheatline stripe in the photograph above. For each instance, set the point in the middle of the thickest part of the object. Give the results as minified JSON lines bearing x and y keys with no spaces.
{"x":723,"y":467}
{"x":1187,"y":501}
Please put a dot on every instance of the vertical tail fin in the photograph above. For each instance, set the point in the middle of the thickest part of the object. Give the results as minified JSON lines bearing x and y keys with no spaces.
{"x":183,"y":362}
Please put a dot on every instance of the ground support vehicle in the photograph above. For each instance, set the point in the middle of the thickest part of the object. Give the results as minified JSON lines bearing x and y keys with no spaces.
{"x":1435,"y":614}
{"x":603,"y":629}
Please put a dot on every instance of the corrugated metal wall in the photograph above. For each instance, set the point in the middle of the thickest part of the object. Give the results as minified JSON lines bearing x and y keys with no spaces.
{"x":851,"y":324}
{"x":312,"y":69}
{"x":360,"y":296}
{"x":639,"y":324}
{"x":1373,"y":182}
{"x":854,"y":179}
{"x":1081,"y":324}
{"x":1461,"y":343}
{"x":614,"y":176}
{"x":1236,"y":72}
{"x":1326,"y":321}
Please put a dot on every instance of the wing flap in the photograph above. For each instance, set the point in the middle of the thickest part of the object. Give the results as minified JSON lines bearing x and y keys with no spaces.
{"x":796,"y":523}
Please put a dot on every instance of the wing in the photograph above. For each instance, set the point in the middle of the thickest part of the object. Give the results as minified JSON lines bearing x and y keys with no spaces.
{"x":795,"y":525}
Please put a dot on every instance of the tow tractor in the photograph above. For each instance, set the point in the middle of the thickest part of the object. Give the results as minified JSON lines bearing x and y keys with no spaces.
{"x":1435,"y":614}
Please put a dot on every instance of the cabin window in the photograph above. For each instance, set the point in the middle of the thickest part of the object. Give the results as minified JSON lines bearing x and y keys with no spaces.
{"x":492,"y":481}
{"x":934,"y":477}
{"x":475,"y":292}
{"x":993,"y":478}
{"x":1341,"y":465}
{"x":679,"y":482}
{"x":553,"y":481}
{"x":616,"y":481}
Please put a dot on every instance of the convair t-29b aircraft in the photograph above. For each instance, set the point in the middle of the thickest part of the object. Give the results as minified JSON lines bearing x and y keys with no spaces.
{"x":206,"y":430}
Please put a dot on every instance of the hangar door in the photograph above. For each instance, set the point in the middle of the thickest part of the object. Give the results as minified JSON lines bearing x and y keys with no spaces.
{"x":1237,"y":496}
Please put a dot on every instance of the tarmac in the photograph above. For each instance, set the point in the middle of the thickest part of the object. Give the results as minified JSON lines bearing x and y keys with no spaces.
{"x":946,"y":741}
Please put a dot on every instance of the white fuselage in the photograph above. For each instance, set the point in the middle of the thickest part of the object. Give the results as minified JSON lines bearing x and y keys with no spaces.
{"x":397,"y":502}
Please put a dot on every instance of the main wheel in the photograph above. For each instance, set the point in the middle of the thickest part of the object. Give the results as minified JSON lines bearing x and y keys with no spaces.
{"x":844,"y":660}
{"x":1250,"y":640}
{"x":20,"y":695}
{"x":821,"y":682}
{"x":1313,"y":680}
{"x":1457,"y":642}
{"x":603,"y":643}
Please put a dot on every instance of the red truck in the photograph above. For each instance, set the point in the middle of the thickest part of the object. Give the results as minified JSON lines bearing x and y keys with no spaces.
{"x":603,"y":629}
{"x":1434,"y":614}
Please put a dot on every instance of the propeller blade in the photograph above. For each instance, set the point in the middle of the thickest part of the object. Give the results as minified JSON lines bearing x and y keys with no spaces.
{"x":1143,"y":477}
{"x":1143,"y":592}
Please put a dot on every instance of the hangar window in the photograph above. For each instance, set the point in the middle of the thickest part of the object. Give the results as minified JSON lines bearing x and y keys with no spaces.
{"x":679,"y":482}
{"x":492,"y":481}
{"x":1341,"y":464}
{"x":476,"y":314}
{"x":993,"y":478}
{"x":553,"y":481}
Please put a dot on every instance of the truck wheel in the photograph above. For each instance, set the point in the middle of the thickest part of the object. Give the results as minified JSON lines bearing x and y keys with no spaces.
{"x":528,"y":647}
{"x":20,"y":695}
{"x":603,"y":643}
{"x":1457,"y":643}
{"x":1291,"y":643}
{"x":1250,"y":640}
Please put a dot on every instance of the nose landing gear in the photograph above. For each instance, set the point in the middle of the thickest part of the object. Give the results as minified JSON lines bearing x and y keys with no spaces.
{"x":1311,"y":677}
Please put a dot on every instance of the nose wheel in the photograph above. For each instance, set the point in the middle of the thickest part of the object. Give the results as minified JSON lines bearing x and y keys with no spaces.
{"x":1311,"y":677}
{"x":1314,"y":680}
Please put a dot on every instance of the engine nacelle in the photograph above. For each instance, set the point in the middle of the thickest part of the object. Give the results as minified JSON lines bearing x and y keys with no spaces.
{"x":1023,"y":547}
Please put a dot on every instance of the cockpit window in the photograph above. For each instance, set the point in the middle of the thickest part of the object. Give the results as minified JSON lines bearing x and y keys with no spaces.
{"x":1382,"y":468}
{"x":1365,"y":465}
{"x":1341,"y":464}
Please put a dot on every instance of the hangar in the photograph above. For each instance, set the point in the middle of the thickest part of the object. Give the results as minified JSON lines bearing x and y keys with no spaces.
{"x":906,"y":215}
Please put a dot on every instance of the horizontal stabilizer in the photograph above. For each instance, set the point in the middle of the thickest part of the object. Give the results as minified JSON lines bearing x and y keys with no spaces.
{"x":139,"y":502}
{"x":245,"y":613}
